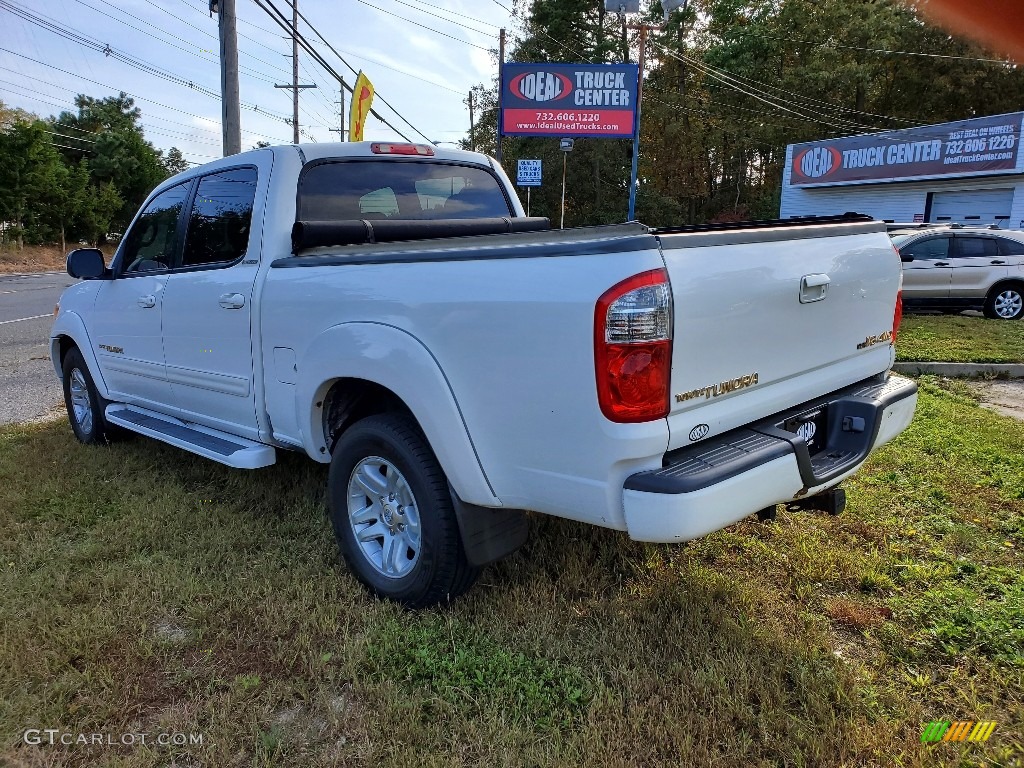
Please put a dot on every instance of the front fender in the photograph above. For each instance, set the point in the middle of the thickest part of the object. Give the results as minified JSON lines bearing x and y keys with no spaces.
{"x":397,"y":360}
{"x":71,"y":325}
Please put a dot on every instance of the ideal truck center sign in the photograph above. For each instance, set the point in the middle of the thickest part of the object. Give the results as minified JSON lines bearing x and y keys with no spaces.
{"x":964,"y":148}
{"x":577,"y":100}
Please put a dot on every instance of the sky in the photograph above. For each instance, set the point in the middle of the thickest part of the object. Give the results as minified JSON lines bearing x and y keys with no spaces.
{"x":425,"y":75}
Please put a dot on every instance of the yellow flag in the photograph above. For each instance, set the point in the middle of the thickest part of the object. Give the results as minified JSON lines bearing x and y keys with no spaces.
{"x":362,"y":99}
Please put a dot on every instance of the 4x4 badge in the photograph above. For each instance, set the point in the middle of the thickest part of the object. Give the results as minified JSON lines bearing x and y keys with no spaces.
{"x":870,"y":341}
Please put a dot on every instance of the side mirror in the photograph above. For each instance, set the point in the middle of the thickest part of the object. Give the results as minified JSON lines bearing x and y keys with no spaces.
{"x":86,"y":263}
{"x":906,"y":257}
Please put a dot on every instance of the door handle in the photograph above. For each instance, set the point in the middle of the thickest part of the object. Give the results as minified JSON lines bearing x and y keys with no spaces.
{"x":941,"y":263}
{"x":998,"y":261}
{"x":232,"y":301}
{"x":147,"y":302}
{"x":814,"y":288}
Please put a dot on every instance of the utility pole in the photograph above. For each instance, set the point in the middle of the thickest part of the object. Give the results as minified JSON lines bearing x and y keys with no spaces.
{"x":231,"y":110}
{"x":641,"y":60}
{"x":295,"y":71}
{"x":295,"y":87}
{"x":472,"y":124}
{"x":501,"y":73}
{"x":341,"y":106}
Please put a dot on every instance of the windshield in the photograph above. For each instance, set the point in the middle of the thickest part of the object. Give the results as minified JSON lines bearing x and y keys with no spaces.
{"x":899,"y":240}
{"x":388,"y":189}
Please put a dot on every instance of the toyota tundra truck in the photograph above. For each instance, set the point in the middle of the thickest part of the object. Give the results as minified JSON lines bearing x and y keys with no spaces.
{"x":388,"y":310}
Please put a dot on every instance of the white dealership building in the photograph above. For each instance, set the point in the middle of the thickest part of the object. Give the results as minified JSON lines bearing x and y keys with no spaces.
{"x":970,"y":172}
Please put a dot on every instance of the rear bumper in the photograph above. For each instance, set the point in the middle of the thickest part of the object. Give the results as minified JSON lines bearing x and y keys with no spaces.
{"x":717,"y":482}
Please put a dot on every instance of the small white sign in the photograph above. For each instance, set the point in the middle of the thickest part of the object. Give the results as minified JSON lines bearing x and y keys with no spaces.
{"x":529,"y":173}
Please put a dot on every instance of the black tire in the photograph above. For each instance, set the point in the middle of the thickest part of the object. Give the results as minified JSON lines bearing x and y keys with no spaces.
{"x":1007,"y":293}
{"x":79,"y":392}
{"x":438,"y":572}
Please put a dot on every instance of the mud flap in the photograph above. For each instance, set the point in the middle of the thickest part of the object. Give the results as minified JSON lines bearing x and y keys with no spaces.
{"x":489,"y":534}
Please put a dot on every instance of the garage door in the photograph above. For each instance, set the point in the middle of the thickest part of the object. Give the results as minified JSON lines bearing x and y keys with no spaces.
{"x":979,"y":207}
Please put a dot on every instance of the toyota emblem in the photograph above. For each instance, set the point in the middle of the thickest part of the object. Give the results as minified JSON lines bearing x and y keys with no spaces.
{"x":699,"y":432}
{"x":807,"y":430}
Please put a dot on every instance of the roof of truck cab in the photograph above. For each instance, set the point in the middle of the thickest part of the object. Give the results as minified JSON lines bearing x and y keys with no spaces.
{"x":312,"y":152}
{"x":364,"y":149}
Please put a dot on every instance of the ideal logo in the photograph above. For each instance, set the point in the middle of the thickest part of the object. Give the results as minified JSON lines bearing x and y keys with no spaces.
{"x":541,"y":86}
{"x":815,"y":162}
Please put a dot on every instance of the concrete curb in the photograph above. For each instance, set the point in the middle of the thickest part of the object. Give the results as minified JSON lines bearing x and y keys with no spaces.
{"x":1011,"y":370}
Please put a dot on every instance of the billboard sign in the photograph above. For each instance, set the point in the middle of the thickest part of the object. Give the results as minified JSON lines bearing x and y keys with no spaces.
{"x":964,"y":148}
{"x":577,"y":100}
{"x":529,"y":173}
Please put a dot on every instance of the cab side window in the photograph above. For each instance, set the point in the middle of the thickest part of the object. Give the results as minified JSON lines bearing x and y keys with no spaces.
{"x":976,"y":246}
{"x":929,"y":248}
{"x":152,"y":243}
{"x":218,"y":229}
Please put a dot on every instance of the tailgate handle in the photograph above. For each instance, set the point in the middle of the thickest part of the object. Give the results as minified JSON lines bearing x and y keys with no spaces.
{"x":813,"y":288}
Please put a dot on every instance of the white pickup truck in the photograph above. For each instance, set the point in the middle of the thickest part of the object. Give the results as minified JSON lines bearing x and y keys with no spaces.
{"x":389,"y":310}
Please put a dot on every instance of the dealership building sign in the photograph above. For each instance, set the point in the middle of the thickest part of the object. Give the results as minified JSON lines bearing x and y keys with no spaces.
{"x":968,"y":147}
{"x":571,"y":100}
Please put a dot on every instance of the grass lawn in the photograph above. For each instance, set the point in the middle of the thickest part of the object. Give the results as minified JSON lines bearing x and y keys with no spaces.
{"x":959,"y":339}
{"x":144,"y":591}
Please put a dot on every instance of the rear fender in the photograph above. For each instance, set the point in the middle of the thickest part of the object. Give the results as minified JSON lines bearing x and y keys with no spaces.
{"x":398,"y":361}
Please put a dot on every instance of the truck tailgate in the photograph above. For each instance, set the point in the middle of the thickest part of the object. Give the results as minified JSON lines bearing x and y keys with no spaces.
{"x":788,"y":313}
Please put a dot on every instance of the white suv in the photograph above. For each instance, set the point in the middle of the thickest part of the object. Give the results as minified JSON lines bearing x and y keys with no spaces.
{"x":959,"y":268}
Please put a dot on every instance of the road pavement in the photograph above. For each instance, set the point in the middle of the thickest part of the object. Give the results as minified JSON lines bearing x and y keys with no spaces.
{"x":28,"y":387}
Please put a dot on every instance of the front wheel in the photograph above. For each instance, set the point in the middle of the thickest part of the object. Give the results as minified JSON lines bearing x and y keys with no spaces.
{"x":83,"y":402}
{"x":1005,"y":302}
{"x":392,"y":514}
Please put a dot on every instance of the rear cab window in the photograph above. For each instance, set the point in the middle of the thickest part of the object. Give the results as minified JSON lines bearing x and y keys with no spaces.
{"x":338,"y":190}
{"x":218,"y":230}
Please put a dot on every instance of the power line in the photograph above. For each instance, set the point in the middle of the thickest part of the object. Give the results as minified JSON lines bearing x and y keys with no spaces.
{"x":216,"y":37}
{"x":731,"y":82}
{"x":66,"y":104}
{"x":835,"y":108}
{"x":503,"y":7}
{"x":282,"y":21}
{"x":424,"y":26}
{"x":285,"y":24}
{"x":74,"y":36}
{"x":352,"y":69}
{"x":384,"y":101}
{"x":244,"y":70}
{"x":342,"y":50}
{"x":887,"y":51}
{"x":399,"y":71}
{"x":72,"y":138}
{"x":126,"y":93}
{"x":434,"y":15}
{"x":584,"y":57}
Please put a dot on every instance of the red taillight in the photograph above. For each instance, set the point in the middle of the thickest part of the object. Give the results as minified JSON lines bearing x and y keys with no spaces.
{"x":633,"y":348}
{"x":897,"y":316}
{"x":422,"y":150}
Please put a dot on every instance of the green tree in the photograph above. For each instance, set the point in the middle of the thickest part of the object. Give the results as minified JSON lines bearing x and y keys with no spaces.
{"x":28,"y":165}
{"x":175,"y":162}
{"x":107,"y":133}
{"x":99,"y":212}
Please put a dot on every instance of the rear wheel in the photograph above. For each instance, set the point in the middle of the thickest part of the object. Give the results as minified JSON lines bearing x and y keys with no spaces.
{"x":392,"y":514}
{"x":1005,"y":302}
{"x":83,"y":402}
